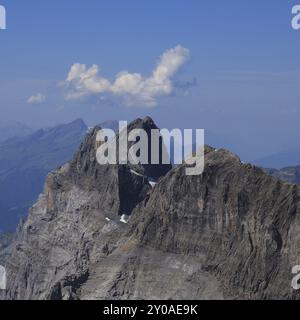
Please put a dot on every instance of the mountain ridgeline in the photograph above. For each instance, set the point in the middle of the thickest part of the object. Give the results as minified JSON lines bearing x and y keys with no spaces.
{"x":230,"y":233}
{"x":286,"y":158}
{"x":25,"y":162}
{"x":289,"y":174}
{"x":11,"y":129}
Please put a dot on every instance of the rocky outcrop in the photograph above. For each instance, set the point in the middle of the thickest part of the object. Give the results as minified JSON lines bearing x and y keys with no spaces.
{"x":232,"y":232}
{"x":244,"y":223}
{"x":75,"y":222}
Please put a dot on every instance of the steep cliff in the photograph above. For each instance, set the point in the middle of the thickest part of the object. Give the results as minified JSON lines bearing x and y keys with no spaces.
{"x":244,"y":223}
{"x":232,"y":232}
{"x":74,"y":223}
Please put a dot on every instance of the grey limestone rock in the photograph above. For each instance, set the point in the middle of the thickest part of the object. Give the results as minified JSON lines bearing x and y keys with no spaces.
{"x":231,"y":233}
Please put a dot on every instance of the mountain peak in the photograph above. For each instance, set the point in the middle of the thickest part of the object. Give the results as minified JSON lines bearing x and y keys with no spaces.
{"x":149,"y":120}
{"x":231,"y":232}
{"x":79,"y":122}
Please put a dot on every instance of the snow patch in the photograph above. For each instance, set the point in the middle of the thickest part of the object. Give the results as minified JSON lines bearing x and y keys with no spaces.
{"x":152,"y":184}
{"x":124,"y":218}
{"x":137,"y":174}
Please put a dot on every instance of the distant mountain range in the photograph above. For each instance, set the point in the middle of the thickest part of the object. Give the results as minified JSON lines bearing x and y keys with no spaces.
{"x":27,"y":157}
{"x":25,"y":161}
{"x":280,"y":160}
{"x":9,"y":129}
{"x":284,"y":166}
{"x":288,"y":174}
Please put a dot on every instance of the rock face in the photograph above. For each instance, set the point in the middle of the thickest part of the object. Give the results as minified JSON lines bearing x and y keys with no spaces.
{"x":244,"y":223}
{"x":25,"y":162}
{"x":75,"y":222}
{"x":233,"y":232}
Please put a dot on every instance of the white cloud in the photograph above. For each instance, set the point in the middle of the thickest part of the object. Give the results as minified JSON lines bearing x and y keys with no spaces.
{"x":133,"y":88}
{"x":35,"y":99}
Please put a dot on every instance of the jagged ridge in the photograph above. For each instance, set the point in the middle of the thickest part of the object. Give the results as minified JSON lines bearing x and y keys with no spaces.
{"x":232,"y":232}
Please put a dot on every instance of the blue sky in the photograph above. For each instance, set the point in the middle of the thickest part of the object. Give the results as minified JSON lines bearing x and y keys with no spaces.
{"x":241,"y":82}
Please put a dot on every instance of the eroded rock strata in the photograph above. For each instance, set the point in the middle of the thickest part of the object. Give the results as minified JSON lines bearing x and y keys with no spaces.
{"x":231,"y":233}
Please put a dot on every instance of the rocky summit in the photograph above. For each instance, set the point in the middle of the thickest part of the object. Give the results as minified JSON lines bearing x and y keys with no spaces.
{"x":104,"y":232}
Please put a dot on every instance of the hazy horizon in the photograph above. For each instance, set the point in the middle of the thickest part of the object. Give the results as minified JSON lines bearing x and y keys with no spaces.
{"x":234,"y":73}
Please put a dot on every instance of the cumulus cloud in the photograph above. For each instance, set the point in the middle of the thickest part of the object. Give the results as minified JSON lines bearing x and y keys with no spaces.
{"x":35,"y":99}
{"x":133,"y":88}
